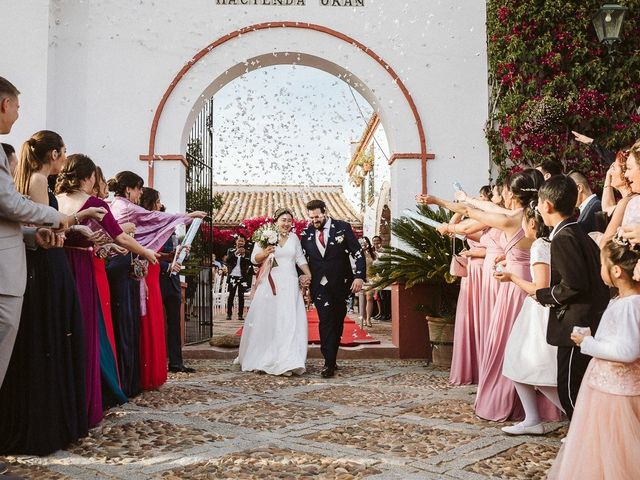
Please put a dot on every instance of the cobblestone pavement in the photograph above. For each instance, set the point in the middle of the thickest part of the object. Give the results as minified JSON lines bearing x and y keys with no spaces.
{"x":379,"y":419}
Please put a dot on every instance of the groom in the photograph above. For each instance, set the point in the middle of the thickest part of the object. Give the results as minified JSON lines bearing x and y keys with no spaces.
{"x":328,"y":243}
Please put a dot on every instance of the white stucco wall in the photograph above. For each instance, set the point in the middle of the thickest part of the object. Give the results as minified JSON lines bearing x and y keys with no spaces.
{"x":95,"y":70}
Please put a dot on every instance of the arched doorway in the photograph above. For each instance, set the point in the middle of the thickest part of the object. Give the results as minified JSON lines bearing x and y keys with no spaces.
{"x":269,"y":44}
{"x":291,"y":43}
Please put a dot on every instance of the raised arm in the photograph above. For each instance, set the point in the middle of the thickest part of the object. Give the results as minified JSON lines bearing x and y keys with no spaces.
{"x":608,"y":197}
{"x":483,"y":205}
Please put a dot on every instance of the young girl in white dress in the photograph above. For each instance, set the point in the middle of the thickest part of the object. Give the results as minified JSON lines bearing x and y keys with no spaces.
{"x":274,"y":336}
{"x":529,"y":360}
{"x":605,"y":429}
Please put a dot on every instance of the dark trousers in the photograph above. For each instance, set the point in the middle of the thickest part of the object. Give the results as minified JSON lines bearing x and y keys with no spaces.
{"x":571,"y":367}
{"x":332,"y":309}
{"x":171,"y":301}
{"x":385,"y":301}
{"x":236,"y":285}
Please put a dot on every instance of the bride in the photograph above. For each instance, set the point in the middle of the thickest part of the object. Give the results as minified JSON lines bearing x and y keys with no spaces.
{"x":274,"y":337}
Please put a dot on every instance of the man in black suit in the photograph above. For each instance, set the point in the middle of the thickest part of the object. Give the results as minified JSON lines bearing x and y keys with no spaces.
{"x":577,"y":296}
{"x":171,"y":299}
{"x":587,"y":203}
{"x":240,"y":273}
{"x":327,"y":244}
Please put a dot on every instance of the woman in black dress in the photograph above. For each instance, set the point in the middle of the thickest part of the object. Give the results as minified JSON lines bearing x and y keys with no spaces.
{"x":42,"y":399}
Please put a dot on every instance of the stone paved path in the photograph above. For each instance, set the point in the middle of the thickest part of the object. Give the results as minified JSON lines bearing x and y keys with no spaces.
{"x":381,"y":419}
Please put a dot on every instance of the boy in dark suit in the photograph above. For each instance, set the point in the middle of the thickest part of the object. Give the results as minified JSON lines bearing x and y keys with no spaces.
{"x":577,"y":296}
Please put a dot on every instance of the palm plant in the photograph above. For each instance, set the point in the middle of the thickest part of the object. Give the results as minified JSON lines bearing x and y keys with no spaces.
{"x":424,"y":258}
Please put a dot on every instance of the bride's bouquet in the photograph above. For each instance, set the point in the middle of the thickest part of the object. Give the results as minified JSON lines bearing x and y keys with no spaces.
{"x":267,"y":236}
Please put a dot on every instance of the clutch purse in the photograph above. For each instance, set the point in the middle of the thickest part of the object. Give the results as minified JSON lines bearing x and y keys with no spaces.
{"x":458,"y":267}
{"x":138,"y":268}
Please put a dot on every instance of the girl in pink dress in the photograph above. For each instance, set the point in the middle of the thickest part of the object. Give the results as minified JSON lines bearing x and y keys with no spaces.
{"x":605,"y":426}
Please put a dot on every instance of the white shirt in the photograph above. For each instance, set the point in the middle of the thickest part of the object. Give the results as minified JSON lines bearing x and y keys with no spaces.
{"x":586,"y":201}
{"x":237,"y":272}
{"x":325,"y":229}
{"x":554,"y":232}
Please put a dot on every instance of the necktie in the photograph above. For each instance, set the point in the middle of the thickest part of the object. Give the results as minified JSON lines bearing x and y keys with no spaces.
{"x":321,"y":238}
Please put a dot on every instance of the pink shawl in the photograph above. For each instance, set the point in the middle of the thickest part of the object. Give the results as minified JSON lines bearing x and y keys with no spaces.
{"x":153,"y":229}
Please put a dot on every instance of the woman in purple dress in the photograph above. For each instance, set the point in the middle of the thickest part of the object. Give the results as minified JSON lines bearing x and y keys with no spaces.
{"x":74,"y":189}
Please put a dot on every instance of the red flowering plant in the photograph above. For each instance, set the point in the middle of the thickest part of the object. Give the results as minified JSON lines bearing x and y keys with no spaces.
{"x":549,"y":75}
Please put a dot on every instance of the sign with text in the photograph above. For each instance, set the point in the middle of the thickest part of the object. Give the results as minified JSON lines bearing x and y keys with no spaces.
{"x":293,"y":3}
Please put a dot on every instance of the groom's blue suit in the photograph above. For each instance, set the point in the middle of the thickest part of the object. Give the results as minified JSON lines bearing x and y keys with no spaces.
{"x":332,"y":277}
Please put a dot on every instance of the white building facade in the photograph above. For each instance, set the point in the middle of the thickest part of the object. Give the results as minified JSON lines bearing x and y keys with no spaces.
{"x":122,"y":81}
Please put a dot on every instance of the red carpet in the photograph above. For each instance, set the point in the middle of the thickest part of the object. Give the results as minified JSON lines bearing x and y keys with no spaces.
{"x":352,"y":334}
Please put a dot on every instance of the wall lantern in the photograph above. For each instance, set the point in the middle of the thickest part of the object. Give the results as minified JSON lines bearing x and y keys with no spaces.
{"x":608,"y":23}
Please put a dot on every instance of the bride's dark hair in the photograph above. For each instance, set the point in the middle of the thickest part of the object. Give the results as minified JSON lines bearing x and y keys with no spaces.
{"x":282,"y":211}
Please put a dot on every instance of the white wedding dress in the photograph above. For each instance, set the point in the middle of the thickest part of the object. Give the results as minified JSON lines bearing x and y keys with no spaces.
{"x":274,"y":337}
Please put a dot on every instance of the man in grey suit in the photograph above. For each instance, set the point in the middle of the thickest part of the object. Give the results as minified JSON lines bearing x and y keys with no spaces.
{"x":15,"y":209}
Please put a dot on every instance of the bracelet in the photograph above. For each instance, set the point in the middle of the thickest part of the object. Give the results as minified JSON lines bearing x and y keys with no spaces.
{"x":607,"y":186}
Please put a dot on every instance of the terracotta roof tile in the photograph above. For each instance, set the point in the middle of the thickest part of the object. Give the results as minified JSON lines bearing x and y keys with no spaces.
{"x":251,"y":201}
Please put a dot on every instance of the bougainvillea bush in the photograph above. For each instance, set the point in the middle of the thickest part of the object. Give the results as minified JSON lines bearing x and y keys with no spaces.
{"x":247,"y":227}
{"x":549,"y":75}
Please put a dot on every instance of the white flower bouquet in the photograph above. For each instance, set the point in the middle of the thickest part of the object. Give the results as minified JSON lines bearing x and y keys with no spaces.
{"x":267,"y":236}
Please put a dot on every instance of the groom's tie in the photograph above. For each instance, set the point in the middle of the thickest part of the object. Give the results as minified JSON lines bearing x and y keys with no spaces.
{"x":321,"y":238}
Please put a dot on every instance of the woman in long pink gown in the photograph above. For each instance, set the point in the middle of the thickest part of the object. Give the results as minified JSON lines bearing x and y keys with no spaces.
{"x":464,"y":363}
{"x":490,"y":240}
{"x":496,"y":398}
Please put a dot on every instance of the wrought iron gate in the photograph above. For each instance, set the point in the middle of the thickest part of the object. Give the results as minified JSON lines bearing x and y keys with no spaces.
{"x":199,"y":192}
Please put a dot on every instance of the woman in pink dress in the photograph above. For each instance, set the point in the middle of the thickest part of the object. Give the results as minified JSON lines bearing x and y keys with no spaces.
{"x":496,"y":398}
{"x":605,"y":426}
{"x":464,"y":363}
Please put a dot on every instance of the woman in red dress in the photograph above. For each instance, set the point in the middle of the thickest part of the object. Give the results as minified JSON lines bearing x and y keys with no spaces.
{"x":153,"y":350}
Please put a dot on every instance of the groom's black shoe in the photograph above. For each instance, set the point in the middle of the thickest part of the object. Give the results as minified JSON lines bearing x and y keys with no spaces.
{"x":328,"y":372}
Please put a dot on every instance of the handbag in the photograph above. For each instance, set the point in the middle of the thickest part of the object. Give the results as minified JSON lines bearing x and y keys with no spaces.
{"x":138,"y":268}
{"x":458,"y":267}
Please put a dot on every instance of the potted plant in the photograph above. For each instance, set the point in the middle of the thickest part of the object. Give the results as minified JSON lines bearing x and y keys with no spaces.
{"x":424,"y":257}
{"x":441,"y":323}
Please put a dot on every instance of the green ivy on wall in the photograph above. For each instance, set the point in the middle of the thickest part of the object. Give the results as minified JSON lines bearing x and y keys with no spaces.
{"x":549,"y":75}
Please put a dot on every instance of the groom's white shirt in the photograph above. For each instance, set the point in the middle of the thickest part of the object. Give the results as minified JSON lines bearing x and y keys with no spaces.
{"x":326,"y":230}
